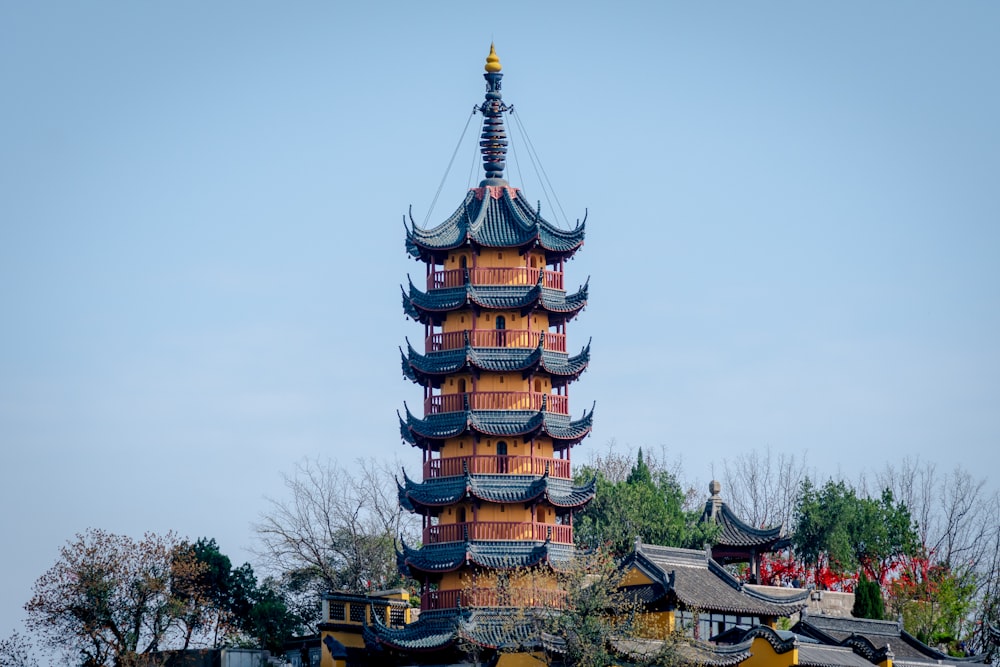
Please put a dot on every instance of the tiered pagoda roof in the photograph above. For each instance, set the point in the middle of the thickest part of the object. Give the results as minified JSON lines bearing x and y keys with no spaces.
{"x":494,"y":216}
{"x":430,"y":369}
{"x":698,"y":582}
{"x":492,"y":554}
{"x":431,"y":307}
{"x":434,"y":428}
{"x":443,"y":491}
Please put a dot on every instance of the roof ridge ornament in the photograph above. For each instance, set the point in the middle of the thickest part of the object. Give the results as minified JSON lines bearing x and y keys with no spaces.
{"x":493,"y":140}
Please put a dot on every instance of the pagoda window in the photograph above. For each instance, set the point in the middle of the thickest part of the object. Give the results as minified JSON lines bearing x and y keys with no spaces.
{"x":538,"y":385}
{"x":461,"y":386}
{"x":502,"y":448}
{"x":460,"y":518}
{"x":463,"y":263}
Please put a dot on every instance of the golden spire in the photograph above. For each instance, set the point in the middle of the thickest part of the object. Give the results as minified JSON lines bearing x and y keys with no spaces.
{"x":492,"y":60}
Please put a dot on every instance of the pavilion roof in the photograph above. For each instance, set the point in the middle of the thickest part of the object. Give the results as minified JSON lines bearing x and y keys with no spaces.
{"x":429,"y":368}
{"x":698,"y":582}
{"x":431,"y":306}
{"x":494,"y":216}
{"x":443,"y":491}
{"x":497,"y":423}
{"x":737,"y":534}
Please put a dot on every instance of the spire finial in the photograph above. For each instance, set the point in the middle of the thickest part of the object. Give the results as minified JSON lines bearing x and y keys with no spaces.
{"x":493,"y":60}
{"x":493,"y":140}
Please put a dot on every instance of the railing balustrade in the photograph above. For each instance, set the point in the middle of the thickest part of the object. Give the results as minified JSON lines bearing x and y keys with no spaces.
{"x":491,"y":597}
{"x":498,"y":530}
{"x":496,"y":465}
{"x":496,"y":400}
{"x":515,"y":338}
{"x":516,"y":275}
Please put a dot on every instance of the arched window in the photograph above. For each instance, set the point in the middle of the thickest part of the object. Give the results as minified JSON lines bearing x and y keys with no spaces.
{"x":502,"y":448}
{"x":538,"y":385}
{"x":501,"y":322}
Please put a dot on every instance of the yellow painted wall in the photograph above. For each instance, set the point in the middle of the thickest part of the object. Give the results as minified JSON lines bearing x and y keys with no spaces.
{"x":635,"y":577}
{"x":520,"y":660}
{"x":456,"y":447}
{"x":501,"y":382}
{"x":499,"y":512}
{"x":762,"y":655}
{"x":656,"y":624}
{"x":457,"y":321}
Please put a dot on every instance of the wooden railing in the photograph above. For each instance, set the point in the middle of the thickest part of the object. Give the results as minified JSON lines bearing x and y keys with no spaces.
{"x":498,"y":530}
{"x":490,"y":597}
{"x":518,"y":275}
{"x":518,"y":338}
{"x":496,"y":400}
{"x":496,"y":465}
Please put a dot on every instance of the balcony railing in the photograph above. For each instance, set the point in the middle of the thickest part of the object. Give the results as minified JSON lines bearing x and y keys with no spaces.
{"x":516,"y":338}
{"x":496,"y":465}
{"x":498,"y":530}
{"x":490,"y":597}
{"x":496,"y":400}
{"x":519,"y":275}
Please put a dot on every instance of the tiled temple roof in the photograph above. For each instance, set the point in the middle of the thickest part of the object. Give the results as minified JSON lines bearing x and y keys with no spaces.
{"x":698,"y":582}
{"x":735,"y":532}
{"x":428,"y":368}
{"x":500,"y":423}
{"x":683,"y":652}
{"x":494,"y":217}
{"x":432,"y":558}
{"x":486,"y":627}
{"x":414,"y":496}
{"x":874,"y":639}
{"x":431,"y":307}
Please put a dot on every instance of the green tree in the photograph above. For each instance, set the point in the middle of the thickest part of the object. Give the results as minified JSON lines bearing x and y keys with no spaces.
{"x":868,"y":601}
{"x":648,"y":504}
{"x":836,"y":528}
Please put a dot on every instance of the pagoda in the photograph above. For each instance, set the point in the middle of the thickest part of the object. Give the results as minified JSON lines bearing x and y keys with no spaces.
{"x":496,"y":495}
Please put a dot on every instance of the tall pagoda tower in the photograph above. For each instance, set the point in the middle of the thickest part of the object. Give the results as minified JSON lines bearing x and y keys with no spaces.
{"x":495,"y":431}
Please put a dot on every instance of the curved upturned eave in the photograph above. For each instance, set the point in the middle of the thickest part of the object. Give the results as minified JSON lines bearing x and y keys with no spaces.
{"x":431,"y":307}
{"x":431,"y":369}
{"x":494,"y":222}
{"x":496,"y":555}
{"x":434,"y":494}
{"x":431,"y":632}
{"x":496,"y":423}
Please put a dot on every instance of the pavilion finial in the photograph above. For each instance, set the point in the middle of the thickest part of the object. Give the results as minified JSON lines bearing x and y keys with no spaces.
{"x":493,"y":140}
{"x":493,"y":60}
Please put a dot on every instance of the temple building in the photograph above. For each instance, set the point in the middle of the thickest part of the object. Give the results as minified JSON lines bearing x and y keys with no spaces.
{"x":496,"y":493}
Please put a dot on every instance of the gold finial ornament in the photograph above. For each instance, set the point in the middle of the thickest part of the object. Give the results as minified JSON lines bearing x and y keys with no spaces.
{"x":493,"y":61}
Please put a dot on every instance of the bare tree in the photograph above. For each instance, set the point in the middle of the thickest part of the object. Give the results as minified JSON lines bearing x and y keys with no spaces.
{"x":337,"y":529}
{"x":763,"y":488}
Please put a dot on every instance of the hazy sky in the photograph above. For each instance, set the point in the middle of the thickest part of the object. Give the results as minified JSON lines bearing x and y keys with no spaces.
{"x":793,"y":237}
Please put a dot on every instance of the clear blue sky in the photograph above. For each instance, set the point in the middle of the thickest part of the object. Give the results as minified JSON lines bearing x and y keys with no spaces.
{"x":793,"y":237}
